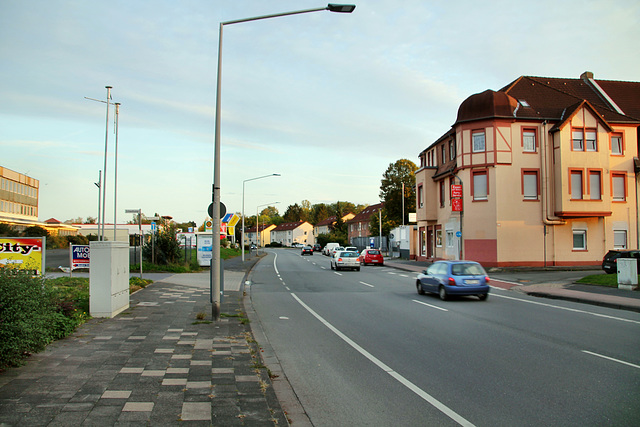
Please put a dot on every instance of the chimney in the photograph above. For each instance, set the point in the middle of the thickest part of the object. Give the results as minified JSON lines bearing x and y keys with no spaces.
{"x":586,"y":75}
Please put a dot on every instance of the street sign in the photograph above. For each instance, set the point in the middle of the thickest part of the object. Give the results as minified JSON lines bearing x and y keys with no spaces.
{"x":458,"y":234}
{"x":227,"y":218}
{"x":153,"y":227}
{"x":223,"y":210}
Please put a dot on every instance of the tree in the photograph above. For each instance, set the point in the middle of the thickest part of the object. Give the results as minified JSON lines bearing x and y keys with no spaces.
{"x":8,"y":230}
{"x":319,"y":212}
{"x":293,"y":213}
{"x":398,"y":173}
{"x":166,"y":246}
{"x":35,"y":231}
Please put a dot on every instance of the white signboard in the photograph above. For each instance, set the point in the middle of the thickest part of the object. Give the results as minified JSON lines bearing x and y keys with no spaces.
{"x":205,"y":247}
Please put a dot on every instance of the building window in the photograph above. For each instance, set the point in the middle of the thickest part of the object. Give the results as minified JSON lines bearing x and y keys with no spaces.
{"x":420,"y":197}
{"x":595,"y":185}
{"x":616,"y":144}
{"x":591,"y":140}
{"x":438,"y":236}
{"x":478,"y":141}
{"x":442,"y":193}
{"x":576,"y":185}
{"x":577,"y":140}
{"x":452,"y":150}
{"x":443,"y":153}
{"x":450,"y":242}
{"x":529,"y":141}
{"x":618,"y":187}
{"x":480,"y":189}
{"x":619,"y":239}
{"x":530,"y":185}
{"x":579,"y":240}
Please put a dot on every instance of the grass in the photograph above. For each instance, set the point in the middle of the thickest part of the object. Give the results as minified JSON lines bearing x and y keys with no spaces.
{"x":608,"y":280}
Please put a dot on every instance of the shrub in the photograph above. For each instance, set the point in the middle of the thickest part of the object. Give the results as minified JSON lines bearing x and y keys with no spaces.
{"x":26,"y":316}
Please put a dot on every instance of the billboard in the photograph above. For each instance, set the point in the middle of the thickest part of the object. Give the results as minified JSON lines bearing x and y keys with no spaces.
{"x":205,"y":246}
{"x":80,"y":256}
{"x":23,"y":253}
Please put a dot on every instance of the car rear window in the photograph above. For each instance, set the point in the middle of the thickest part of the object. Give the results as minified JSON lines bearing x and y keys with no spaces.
{"x":467,"y":270}
{"x":374,"y":252}
{"x":348,"y":254}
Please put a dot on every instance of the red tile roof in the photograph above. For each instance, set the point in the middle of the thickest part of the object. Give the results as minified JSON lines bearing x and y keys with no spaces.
{"x":365,"y":215}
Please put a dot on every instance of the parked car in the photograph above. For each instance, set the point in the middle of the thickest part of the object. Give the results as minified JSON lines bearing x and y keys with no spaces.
{"x":345,"y":259}
{"x":297,"y":245}
{"x":371,"y":256}
{"x":317,"y":247}
{"x":307,"y":250}
{"x":328,"y":248}
{"x":610,"y":260}
{"x":454,"y":278}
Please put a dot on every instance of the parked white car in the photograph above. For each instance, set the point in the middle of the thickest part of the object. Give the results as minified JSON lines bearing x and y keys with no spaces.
{"x":329,"y":248}
{"x":345,"y":259}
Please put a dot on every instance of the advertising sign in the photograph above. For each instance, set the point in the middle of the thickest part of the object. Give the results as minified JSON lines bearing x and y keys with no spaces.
{"x":80,"y":256}
{"x":23,"y":253}
{"x":205,"y":248}
{"x":456,"y":205}
{"x":456,"y":190}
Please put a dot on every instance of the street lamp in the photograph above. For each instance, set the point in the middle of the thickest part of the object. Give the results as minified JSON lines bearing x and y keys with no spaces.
{"x":215,"y":188}
{"x":247,"y":180}
{"x":260,"y":241}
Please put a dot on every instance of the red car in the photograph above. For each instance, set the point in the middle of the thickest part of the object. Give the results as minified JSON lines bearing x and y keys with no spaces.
{"x":371,"y":256}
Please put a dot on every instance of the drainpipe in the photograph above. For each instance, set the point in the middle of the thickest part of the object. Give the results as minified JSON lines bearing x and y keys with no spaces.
{"x":546,"y":220}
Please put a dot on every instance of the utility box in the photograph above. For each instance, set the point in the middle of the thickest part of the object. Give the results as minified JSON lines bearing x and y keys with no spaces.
{"x":627,"y":273}
{"x":109,"y":278}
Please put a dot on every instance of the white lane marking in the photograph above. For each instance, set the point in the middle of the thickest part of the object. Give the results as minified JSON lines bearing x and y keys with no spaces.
{"x":391,"y":272}
{"x":283,"y":318}
{"x":575,"y":310}
{"x":366,"y":284}
{"x":274,"y":264}
{"x":612,"y":359}
{"x":402,"y":380}
{"x":339,"y":274}
{"x":403,"y":275}
{"x":429,"y":305}
{"x":503,"y":281}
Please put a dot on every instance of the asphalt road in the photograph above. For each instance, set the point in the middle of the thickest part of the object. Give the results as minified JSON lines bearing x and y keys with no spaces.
{"x":363,"y":348}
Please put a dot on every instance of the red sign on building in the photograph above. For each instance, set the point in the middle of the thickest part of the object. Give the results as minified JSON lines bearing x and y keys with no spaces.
{"x":456,"y":205}
{"x":456,"y":190}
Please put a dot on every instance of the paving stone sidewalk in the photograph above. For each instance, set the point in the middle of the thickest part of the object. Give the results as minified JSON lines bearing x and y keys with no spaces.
{"x":153,"y":364}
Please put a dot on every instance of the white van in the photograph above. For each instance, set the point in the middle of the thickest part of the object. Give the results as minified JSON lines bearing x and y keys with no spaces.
{"x":329,"y":248}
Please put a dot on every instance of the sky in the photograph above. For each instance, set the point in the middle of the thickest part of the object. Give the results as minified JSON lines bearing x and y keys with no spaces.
{"x":326,"y":100}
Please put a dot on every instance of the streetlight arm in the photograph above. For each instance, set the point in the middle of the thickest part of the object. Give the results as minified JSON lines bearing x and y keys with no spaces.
{"x":331,"y":7}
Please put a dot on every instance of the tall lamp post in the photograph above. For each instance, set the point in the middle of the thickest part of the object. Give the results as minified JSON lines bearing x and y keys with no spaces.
{"x":215,"y":190}
{"x":243,"y":182}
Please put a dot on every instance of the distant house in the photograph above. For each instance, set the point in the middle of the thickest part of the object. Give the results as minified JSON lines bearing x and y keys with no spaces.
{"x":541,"y":172}
{"x":325,"y":226}
{"x":261,"y":237}
{"x":58,"y":228}
{"x":358,"y":226}
{"x":289,"y":233}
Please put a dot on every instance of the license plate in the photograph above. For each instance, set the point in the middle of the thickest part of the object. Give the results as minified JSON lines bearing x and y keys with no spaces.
{"x":375,"y":260}
{"x":472,"y":282}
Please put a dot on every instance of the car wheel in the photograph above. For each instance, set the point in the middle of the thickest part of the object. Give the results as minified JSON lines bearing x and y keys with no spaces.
{"x":332,"y":266}
{"x":443,"y":293}
{"x":357,"y":268}
{"x":419,"y":288}
{"x":483,"y":297}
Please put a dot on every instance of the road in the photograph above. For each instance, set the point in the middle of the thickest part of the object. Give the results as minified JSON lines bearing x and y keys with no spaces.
{"x":363,"y":348}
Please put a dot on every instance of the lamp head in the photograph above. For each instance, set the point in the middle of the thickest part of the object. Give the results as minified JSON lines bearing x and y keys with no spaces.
{"x":341,"y":8}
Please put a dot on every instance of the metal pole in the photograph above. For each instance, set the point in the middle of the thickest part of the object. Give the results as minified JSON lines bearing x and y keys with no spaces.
{"x":243,"y":182}
{"x":115,"y":176}
{"x":106,"y":145}
{"x":99,"y":185}
{"x":140,"y":230}
{"x":403,"y":204}
{"x":215,"y":190}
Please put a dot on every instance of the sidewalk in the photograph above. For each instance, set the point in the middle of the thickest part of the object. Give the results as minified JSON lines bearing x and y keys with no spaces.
{"x":555,"y":289}
{"x":153,"y":364}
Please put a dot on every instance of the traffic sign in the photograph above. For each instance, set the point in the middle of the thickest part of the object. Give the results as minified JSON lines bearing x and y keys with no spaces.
{"x":153,"y":227}
{"x":223,"y":210}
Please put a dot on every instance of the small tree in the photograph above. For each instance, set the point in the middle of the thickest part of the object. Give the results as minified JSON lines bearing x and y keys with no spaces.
{"x":166,"y":246}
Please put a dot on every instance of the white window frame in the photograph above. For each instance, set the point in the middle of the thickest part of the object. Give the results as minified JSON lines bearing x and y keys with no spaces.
{"x":616,"y":147}
{"x":575,"y":188}
{"x":591,"y":140}
{"x":595,"y":191}
{"x":529,"y":141}
{"x":478,"y":145}
{"x":529,"y":187}
{"x":619,"y":239}
{"x":618,"y":183}
{"x":477,"y":193}
{"x":583,"y":234}
{"x":577,"y":140}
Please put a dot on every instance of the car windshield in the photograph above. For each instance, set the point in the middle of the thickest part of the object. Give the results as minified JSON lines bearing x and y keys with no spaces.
{"x":467,"y":270}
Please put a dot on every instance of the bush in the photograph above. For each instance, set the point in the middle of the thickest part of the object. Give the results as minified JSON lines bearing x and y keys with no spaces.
{"x":26,"y":316}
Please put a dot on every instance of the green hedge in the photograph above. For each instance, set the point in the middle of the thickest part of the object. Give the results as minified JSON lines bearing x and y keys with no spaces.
{"x":33,"y":312}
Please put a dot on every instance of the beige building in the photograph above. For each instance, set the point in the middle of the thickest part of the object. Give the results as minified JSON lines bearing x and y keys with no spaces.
{"x":18,"y":198}
{"x":326,"y":225}
{"x":542,"y":172}
{"x":289,"y":233}
{"x":259,"y":237}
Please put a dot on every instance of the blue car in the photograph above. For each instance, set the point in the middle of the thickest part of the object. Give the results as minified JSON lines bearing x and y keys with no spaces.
{"x":447,"y":278}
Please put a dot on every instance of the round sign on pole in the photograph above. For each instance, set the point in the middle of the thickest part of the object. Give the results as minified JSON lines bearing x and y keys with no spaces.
{"x":223,"y":210}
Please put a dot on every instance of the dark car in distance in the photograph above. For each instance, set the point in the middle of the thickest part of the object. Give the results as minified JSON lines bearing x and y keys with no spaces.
{"x":610,"y":260}
{"x":447,"y":278}
{"x":306,"y":250}
{"x":317,"y":247}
